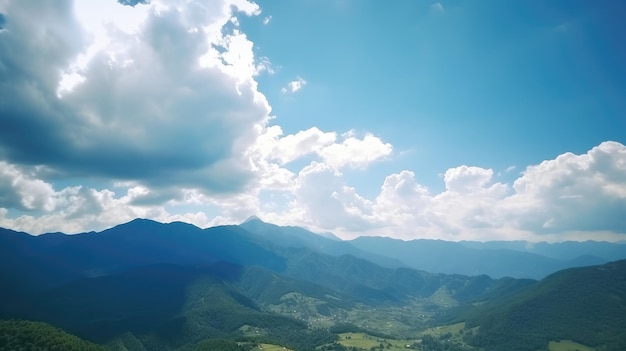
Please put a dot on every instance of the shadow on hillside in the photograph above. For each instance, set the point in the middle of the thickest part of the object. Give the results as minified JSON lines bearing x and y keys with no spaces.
{"x":138,"y":301}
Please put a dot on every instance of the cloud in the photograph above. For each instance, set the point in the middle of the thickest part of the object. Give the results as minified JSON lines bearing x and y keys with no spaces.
{"x":337,"y":153}
{"x":294,"y":86}
{"x":510,"y":169}
{"x":20,"y":190}
{"x":323,"y":200}
{"x":437,"y":7}
{"x":573,"y":192}
{"x":153,"y":110}
{"x":267,"y":20}
{"x":575,"y":197}
{"x":355,"y":152}
{"x":466,"y":179}
{"x":170,"y":96}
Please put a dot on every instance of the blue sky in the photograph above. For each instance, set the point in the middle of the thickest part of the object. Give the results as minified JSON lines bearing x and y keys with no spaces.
{"x":490,"y":83}
{"x":454,"y":119}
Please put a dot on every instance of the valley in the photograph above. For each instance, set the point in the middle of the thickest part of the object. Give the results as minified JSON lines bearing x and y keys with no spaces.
{"x":145,"y":286}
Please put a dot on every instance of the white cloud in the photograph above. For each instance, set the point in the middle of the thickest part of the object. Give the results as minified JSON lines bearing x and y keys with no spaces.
{"x":355,"y":152}
{"x":21,"y":190}
{"x":466,"y":179}
{"x":573,"y":197}
{"x":267,"y":20}
{"x":573,"y":192}
{"x":437,"y":7}
{"x":146,"y":93}
{"x":294,"y":86}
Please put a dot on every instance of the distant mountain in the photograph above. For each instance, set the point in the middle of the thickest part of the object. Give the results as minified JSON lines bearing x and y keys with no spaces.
{"x":296,"y":237}
{"x":586,"y":305}
{"x":565,"y":251}
{"x":500,"y":259}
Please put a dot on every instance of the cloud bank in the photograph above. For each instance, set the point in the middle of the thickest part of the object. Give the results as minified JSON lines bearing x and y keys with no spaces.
{"x":115,"y":110}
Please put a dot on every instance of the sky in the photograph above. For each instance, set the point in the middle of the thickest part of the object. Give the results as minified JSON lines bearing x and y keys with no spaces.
{"x":454,"y":120}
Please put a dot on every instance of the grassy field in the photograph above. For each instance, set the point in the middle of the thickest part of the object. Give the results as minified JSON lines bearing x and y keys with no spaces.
{"x":366,"y":342}
{"x":568,"y":345}
{"x":453,"y":329}
{"x":271,"y":347}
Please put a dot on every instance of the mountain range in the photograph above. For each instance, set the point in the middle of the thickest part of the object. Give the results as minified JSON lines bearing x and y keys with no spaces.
{"x":145,"y":285}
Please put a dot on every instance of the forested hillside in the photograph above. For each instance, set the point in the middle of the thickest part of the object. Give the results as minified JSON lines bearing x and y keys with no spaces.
{"x":19,"y":335}
{"x":586,"y":305}
{"x":146,"y":286}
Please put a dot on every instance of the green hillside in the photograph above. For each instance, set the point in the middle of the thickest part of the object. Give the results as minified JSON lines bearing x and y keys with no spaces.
{"x":586,"y":305}
{"x":18,"y":335}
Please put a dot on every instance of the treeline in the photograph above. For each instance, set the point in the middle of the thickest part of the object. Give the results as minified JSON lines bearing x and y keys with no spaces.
{"x":19,"y":335}
{"x":222,"y":345}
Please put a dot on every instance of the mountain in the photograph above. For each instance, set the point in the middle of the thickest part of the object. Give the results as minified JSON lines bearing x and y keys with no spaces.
{"x":567,"y":250}
{"x":161,"y":304}
{"x":586,"y":305}
{"x":145,"y":285}
{"x":296,"y":237}
{"x":174,"y":284}
{"x":498,"y":259}
{"x":51,"y":259}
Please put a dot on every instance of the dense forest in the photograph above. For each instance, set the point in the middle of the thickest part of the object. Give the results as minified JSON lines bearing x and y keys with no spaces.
{"x":18,"y":335}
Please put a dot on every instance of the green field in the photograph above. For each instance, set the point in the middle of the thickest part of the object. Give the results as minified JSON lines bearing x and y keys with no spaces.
{"x":271,"y":347}
{"x":568,"y":345}
{"x":366,"y":342}
{"x":454,"y":329}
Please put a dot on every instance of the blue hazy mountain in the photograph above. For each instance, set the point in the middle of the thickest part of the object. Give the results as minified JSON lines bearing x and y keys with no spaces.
{"x":499,"y":259}
{"x":297,"y":237}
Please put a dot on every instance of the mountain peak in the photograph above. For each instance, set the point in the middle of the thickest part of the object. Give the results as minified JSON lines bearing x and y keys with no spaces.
{"x":253,"y":218}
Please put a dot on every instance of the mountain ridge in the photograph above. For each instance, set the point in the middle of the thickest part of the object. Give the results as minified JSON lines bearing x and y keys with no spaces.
{"x":170,"y":286}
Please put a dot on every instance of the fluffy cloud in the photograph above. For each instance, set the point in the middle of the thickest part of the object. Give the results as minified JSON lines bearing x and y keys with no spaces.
{"x":355,"y":152}
{"x":175,"y":98}
{"x":155,"y":106}
{"x":571,"y":197}
{"x":294,"y":86}
{"x":346,"y":151}
{"x":573,"y":192}
{"x":23,"y":191}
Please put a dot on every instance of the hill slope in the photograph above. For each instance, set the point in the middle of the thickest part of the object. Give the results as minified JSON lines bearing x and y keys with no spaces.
{"x":38,"y":336}
{"x":586,"y":305}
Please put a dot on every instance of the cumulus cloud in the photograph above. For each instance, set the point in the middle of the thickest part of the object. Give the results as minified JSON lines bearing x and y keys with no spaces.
{"x":355,"y":152}
{"x":324,"y":200}
{"x":573,"y":192}
{"x":21,"y":190}
{"x":337,"y":152}
{"x":294,"y":86}
{"x":174,"y":99}
{"x":570,"y":197}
